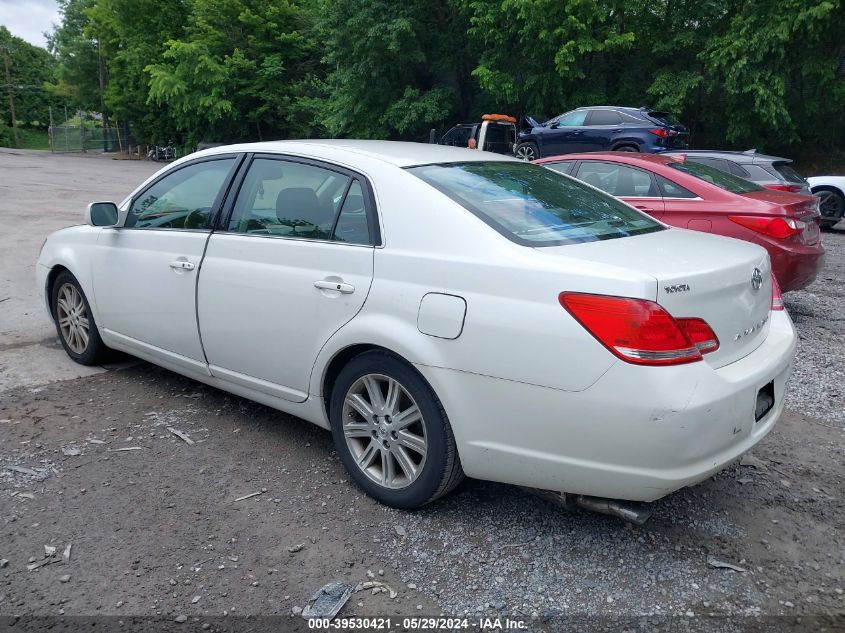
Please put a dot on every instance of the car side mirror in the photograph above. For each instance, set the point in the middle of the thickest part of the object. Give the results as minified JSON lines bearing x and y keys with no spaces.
{"x":554,"y":125}
{"x":101,"y":214}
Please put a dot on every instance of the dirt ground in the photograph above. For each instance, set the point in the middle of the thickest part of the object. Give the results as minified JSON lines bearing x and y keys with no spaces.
{"x":164,"y":536}
{"x":158,"y":531}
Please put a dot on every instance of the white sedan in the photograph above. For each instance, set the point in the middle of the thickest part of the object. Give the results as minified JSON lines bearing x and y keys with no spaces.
{"x":443,"y":311}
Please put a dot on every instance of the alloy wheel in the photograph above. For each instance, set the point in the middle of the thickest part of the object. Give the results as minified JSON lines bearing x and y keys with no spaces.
{"x":384,"y":431}
{"x":525,"y":152}
{"x":72,"y":317}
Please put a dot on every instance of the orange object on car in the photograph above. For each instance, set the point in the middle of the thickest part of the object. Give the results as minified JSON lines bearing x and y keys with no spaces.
{"x":498,"y":117}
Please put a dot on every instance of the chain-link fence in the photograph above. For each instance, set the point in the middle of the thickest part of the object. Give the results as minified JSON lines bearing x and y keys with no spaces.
{"x":83,"y":138}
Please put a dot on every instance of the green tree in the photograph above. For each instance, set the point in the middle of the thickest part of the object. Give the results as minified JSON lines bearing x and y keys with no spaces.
{"x":29,"y":67}
{"x":241,"y":70}
{"x":395,"y":68}
{"x":132,"y":35}
{"x":77,"y":75}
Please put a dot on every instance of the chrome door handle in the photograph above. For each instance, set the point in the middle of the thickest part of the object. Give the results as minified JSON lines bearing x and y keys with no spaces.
{"x":179,"y":265}
{"x":337,"y":286}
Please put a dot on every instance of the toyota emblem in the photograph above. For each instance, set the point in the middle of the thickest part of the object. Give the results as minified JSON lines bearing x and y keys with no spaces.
{"x":756,"y":279}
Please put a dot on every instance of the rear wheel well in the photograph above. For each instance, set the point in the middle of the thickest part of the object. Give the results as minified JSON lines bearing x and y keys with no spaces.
{"x":340,"y":361}
{"x":55,"y":271}
{"x":620,"y":146}
{"x":832,"y":188}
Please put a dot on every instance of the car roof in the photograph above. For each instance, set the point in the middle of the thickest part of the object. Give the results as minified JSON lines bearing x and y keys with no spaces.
{"x":398,"y":153}
{"x":749,"y":156}
{"x":622,"y":157}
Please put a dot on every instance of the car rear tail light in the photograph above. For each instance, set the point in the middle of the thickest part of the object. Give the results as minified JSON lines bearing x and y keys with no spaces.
{"x":699,"y":334}
{"x":779,"y":228}
{"x":777,"y":297}
{"x":789,"y":188}
{"x":640,"y":331}
{"x":663,"y":132}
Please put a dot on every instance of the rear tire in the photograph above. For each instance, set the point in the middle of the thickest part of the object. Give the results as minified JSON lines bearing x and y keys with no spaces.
{"x":392,"y":433}
{"x":627,"y":148}
{"x":74,"y":321}
{"x":833,"y":207}
{"x":527,"y":151}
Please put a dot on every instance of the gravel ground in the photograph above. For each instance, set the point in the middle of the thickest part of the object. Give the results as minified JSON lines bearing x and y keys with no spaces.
{"x":818,"y":311}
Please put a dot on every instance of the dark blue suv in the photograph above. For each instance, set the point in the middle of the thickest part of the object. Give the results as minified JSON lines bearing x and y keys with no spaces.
{"x":601,"y":128}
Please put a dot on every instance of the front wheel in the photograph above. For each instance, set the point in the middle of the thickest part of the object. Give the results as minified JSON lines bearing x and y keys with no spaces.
{"x":392,"y":433}
{"x":74,"y":322}
{"x":527,"y":151}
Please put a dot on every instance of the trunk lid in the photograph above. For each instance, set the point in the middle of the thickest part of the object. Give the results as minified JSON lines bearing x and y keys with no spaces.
{"x":804,"y":208}
{"x":697,"y":275}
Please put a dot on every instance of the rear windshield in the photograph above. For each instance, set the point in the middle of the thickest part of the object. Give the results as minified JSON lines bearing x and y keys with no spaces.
{"x":788,"y":173}
{"x":714,"y":176}
{"x":535,"y":206}
{"x":663,"y":118}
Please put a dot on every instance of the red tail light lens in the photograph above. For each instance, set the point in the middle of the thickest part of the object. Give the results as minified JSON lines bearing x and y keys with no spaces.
{"x":789,"y":188}
{"x":640,"y":331}
{"x":778,"y":228}
{"x":777,"y":297}
{"x":661,"y":132}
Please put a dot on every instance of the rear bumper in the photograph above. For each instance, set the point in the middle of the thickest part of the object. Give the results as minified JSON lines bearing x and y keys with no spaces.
{"x":796,"y":267}
{"x":638,"y":433}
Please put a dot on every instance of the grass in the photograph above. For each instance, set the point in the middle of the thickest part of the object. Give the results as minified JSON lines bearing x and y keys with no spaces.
{"x":31,"y":138}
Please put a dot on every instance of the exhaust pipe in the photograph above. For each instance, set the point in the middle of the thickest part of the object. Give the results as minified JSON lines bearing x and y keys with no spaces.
{"x":634,"y":512}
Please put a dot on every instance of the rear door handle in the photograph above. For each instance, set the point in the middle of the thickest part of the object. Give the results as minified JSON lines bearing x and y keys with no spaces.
{"x":641,"y":208}
{"x":337,"y":286}
{"x":182,"y":265}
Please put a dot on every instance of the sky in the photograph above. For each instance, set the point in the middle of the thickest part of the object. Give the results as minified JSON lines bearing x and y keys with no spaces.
{"x":28,"y":19}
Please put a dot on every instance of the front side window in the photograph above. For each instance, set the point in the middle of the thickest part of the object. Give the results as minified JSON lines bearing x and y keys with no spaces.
{"x":572,"y":119}
{"x":183,"y":199}
{"x":299,"y":200}
{"x":535,"y":206}
{"x":721,"y":179}
{"x":457,"y":137}
{"x":618,"y":180}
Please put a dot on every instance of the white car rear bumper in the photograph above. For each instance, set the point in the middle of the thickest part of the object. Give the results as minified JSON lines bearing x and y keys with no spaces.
{"x":638,"y":433}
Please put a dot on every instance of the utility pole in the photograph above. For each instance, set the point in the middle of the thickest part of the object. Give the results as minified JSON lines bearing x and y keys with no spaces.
{"x":11,"y":95}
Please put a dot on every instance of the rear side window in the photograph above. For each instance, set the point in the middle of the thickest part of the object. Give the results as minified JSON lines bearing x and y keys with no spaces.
{"x":737,"y":169}
{"x":535,"y":206}
{"x":289,"y":199}
{"x":603,"y":117}
{"x":788,"y":173}
{"x":671,"y":190}
{"x":562,"y":166}
{"x":718,"y":163}
{"x":721,"y":179}
{"x":618,"y":180}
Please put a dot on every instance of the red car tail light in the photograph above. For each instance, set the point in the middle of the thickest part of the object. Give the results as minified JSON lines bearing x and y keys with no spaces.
{"x":789,"y":188}
{"x":699,"y":334}
{"x":777,"y":297}
{"x":777,"y":227}
{"x":640,"y":331}
{"x":663,"y":132}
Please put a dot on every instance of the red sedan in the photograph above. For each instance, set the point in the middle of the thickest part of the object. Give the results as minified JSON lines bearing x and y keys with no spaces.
{"x":694,"y":196}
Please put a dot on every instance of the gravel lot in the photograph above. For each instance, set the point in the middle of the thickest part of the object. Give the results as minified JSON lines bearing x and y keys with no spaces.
{"x":160,"y":531}
{"x":817,"y":386}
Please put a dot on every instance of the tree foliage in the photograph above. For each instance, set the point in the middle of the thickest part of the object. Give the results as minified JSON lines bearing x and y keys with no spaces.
{"x":769,"y":73}
{"x":29,"y":68}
